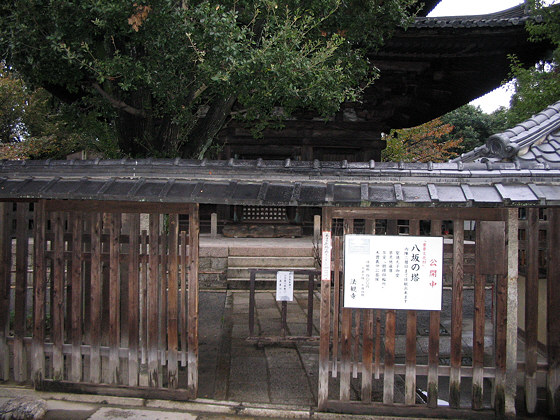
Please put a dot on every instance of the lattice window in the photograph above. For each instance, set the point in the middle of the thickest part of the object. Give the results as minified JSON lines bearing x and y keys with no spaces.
{"x":264,"y":214}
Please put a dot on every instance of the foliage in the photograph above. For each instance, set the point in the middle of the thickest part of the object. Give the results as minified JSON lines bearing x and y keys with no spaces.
{"x":34,"y":124}
{"x":472,"y":125}
{"x":167,"y":74}
{"x":12,"y":104}
{"x":423,"y":143}
{"x":539,"y":86}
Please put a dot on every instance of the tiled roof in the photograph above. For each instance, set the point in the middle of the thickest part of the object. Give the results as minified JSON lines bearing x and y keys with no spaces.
{"x":535,"y":140}
{"x":287,"y":182}
{"x":511,"y":17}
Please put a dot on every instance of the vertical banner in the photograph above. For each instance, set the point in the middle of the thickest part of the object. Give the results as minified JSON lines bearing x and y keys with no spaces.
{"x":393,"y":272}
{"x":326,"y":257}
{"x":285,"y":286}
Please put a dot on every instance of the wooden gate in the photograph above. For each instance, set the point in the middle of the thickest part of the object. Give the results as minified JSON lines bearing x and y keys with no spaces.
{"x":371,"y":359}
{"x":102,"y":294}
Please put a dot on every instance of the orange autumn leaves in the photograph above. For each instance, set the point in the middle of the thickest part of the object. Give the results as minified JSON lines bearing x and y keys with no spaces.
{"x":140,"y":15}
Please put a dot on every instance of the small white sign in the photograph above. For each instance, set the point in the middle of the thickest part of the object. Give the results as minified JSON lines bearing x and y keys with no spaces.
{"x":285,"y":286}
{"x":326,"y":257}
{"x":393,"y":272}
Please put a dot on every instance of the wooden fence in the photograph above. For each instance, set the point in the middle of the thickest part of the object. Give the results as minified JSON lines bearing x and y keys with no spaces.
{"x":88,"y":297}
{"x":369,"y":351}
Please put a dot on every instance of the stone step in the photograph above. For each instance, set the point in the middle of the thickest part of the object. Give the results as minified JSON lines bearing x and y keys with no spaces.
{"x":271,"y":251}
{"x":271,"y":262}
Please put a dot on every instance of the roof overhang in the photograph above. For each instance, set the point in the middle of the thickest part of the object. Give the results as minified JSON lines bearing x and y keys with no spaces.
{"x":283,"y":183}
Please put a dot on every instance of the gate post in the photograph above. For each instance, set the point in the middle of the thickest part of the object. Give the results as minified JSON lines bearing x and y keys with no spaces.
{"x":511,"y":328}
{"x":553,"y":309}
{"x":325,"y":325}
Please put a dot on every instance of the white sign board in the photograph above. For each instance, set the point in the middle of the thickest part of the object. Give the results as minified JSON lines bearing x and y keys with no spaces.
{"x":285,"y":286}
{"x":393,"y":272}
{"x":326,"y":256}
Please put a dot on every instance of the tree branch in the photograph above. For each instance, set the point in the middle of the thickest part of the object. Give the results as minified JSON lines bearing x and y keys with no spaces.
{"x":120,"y":105}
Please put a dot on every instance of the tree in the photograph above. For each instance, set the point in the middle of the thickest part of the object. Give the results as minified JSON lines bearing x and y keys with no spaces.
{"x":34,"y":124}
{"x":472,"y":125}
{"x":538,"y":86}
{"x":423,"y":143}
{"x":168,"y":74}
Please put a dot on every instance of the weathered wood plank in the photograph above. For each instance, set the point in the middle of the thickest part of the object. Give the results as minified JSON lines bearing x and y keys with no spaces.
{"x":58,"y":295}
{"x":183,"y":303}
{"x":433,"y":344}
{"x":133,"y":298}
{"x":144,"y":298}
{"x":336,"y":308}
{"x":192,"y":355}
{"x":367,"y":346}
{"x":367,"y":356}
{"x":456,"y":314}
{"x":20,"y":362}
{"x":94,"y":206}
{"x":96,"y":298}
{"x":76,"y":280}
{"x":478,"y":325}
{"x":5,"y":280}
{"x":531,"y":309}
{"x":553,"y":312}
{"x":512,"y":303}
{"x":389,"y":373}
{"x":325,"y":326}
{"x":40,"y":290}
{"x":114,"y":222}
{"x":162,"y":338}
{"x":500,"y":344}
{"x":172,"y":304}
{"x":346,"y":336}
{"x":421,"y":213}
{"x":152,"y":303}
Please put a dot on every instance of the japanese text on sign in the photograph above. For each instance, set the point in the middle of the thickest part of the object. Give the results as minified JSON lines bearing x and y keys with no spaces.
{"x":285,"y":286}
{"x":393,"y":272}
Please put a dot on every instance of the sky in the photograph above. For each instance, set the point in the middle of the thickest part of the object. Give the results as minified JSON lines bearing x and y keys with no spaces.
{"x":502,"y":95}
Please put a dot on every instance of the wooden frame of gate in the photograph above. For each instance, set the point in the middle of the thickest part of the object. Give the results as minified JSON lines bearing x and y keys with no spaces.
{"x":111,"y":312}
{"x":351,"y":342}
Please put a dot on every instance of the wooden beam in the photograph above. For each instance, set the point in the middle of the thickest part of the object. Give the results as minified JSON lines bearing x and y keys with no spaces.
{"x":5,"y":281}
{"x":152,"y":303}
{"x":96,"y":298}
{"x":133,"y":298}
{"x":192,"y":355}
{"x":531,"y":309}
{"x":76,"y":280}
{"x":457,"y":314}
{"x":512,"y":303}
{"x":433,"y":344}
{"x":57,"y":310}
{"x":553,"y":312}
{"x":172,"y":303}
{"x":325,"y":326}
{"x":40,"y":290}
{"x":421,"y":213}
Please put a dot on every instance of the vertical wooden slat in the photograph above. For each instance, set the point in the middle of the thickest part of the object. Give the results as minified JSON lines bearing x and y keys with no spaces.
{"x":192,"y":357}
{"x":512,"y":304}
{"x":133,"y":297}
{"x":96,"y":298}
{"x":183,"y":303}
{"x":377,"y":366}
{"x":76,"y":280}
{"x":152,"y":304}
{"x":457,"y":314}
{"x":172,"y":308}
{"x":500,"y":344}
{"x":5,"y":267}
{"x":114,"y":220}
{"x":20,"y":363}
{"x":367,"y":346}
{"x":389,"y":373}
{"x":356,"y":342}
{"x":553,"y":312}
{"x":162,"y":339}
{"x":58,"y":296}
{"x":346,"y":335}
{"x":336,"y":310}
{"x":325,"y":326}
{"x":40,"y":289}
{"x":390,"y":330}
{"x":252,"y":279}
{"x":310,"y":293}
{"x":478,"y":326}
{"x":411,"y":321}
{"x":531,"y":309}
{"x":144,"y":298}
{"x":433,"y":345}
